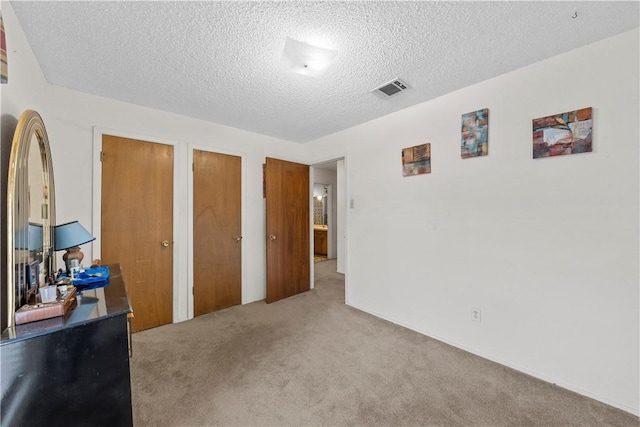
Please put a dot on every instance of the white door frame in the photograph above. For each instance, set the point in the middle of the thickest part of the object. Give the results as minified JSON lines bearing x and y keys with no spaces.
{"x":243,"y":219}
{"x":180,"y":299}
{"x":340,"y":221}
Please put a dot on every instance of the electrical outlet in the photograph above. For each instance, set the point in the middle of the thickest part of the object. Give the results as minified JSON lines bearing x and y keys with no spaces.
{"x":476,"y":314}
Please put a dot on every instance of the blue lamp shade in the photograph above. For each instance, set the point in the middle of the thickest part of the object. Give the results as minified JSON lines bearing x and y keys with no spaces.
{"x":70,"y":235}
{"x":29,"y":238}
{"x":35,"y":237}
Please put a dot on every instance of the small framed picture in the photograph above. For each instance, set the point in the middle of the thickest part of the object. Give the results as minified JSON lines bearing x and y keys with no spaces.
{"x":32,"y":279}
{"x":416,"y":160}
{"x":562,"y":134}
{"x":33,"y":275}
{"x":475,"y":134}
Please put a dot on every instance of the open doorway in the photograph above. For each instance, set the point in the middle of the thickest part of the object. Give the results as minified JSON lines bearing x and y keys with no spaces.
{"x":329,"y":215}
{"x":323,"y":222}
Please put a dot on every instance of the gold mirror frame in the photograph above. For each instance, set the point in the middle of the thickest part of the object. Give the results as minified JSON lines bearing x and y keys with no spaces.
{"x":21,"y":201}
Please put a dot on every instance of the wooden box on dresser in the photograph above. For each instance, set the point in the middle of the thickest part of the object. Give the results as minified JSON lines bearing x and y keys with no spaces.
{"x":71,"y":370}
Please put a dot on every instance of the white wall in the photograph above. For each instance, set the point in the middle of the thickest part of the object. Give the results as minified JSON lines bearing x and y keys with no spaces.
{"x":26,"y":85}
{"x":546,"y":248}
{"x":70,"y":118}
{"x":341,"y":226}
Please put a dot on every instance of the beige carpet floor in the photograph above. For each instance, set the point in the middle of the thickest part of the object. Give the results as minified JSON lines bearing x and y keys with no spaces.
{"x":310,"y":360}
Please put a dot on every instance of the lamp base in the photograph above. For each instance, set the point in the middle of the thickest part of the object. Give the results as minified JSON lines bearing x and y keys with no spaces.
{"x":73,"y":259}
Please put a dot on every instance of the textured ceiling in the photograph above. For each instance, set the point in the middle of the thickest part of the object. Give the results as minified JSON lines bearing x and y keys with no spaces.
{"x":219,"y":61}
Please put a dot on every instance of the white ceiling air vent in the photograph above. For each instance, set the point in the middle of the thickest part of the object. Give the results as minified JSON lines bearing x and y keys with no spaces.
{"x":391,"y":88}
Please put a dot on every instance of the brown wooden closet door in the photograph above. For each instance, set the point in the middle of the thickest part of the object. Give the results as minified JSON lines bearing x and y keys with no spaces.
{"x":137,"y":224}
{"x":288,"y":244}
{"x":217,"y":246}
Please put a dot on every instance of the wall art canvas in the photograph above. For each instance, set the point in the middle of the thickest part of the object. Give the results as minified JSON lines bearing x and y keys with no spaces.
{"x":416,"y":160}
{"x":475,"y":134}
{"x":4,"y":72}
{"x":561,"y":134}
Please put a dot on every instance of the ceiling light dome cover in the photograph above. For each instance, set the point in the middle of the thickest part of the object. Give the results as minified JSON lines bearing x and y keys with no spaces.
{"x":306,"y":59}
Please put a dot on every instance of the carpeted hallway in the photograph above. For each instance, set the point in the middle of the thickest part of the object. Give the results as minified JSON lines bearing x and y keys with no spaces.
{"x":311,"y":360}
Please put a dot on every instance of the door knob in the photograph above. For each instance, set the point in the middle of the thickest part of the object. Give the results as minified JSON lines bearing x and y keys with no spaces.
{"x":165,"y":243}
{"x":237,"y":238}
{"x":272,"y":237}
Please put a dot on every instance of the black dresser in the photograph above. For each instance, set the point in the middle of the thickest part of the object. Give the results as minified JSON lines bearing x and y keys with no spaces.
{"x":71,"y":370}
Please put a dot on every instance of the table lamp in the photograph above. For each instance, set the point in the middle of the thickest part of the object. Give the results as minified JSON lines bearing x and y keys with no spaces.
{"x":70,"y":236}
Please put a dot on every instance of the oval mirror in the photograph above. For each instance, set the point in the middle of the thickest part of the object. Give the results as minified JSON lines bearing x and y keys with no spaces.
{"x":30,"y":212}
